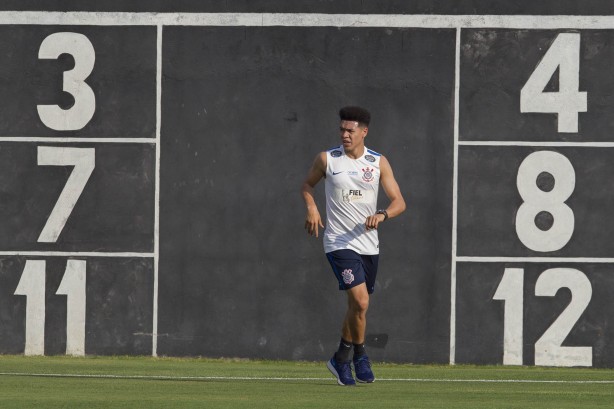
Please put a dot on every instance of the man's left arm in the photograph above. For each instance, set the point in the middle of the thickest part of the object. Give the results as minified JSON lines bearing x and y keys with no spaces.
{"x":393,"y":192}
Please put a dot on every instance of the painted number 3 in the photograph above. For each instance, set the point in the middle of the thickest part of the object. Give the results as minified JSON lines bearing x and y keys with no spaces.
{"x":77,"y":116}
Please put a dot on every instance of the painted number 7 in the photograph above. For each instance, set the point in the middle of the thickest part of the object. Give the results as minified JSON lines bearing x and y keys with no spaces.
{"x":83,"y":160}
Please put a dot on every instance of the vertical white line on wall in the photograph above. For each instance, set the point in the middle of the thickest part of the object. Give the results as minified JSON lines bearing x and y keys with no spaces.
{"x":454,"y":201}
{"x":154,"y":340}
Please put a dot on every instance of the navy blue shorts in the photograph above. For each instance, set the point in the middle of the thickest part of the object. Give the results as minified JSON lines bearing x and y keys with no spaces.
{"x":352,"y":269}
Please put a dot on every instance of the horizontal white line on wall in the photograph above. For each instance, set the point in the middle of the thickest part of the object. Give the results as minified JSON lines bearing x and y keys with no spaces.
{"x":305,"y":20}
{"x":76,"y":140}
{"x":76,"y":254}
{"x":472,"y":259}
{"x":539,"y":144}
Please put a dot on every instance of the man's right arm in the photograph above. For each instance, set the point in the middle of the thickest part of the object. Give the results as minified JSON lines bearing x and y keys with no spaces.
{"x":315,"y":174}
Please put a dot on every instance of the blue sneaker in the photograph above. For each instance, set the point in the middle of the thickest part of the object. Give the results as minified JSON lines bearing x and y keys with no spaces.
{"x":342,"y":371}
{"x":362,"y":366}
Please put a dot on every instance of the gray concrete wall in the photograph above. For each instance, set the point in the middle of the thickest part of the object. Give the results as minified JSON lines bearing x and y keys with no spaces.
{"x":185,"y":236}
{"x":257,"y":104}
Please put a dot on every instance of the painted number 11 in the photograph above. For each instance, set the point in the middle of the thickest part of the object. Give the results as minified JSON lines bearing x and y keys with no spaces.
{"x":32,"y":285}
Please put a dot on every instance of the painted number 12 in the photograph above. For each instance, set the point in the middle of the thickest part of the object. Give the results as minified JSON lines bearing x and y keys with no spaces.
{"x":548,"y":348}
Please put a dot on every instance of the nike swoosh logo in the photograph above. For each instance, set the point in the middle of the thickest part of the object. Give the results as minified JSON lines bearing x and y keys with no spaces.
{"x":336,"y":173}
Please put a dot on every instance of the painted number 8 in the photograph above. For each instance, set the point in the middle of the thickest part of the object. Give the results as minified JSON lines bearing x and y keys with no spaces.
{"x":552,"y":201}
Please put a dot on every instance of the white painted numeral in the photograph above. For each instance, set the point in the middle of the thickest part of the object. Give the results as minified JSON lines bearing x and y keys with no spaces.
{"x":548,"y":349}
{"x":553,"y":202}
{"x":563,"y":54}
{"x":77,"y":116}
{"x":73,"y":286}
{"x":32,"y":285}
{"x":510,"y":290}
{"x":83,"y":160}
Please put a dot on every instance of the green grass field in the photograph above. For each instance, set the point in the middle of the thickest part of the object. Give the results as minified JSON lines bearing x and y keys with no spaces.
{"x":146,"y":382}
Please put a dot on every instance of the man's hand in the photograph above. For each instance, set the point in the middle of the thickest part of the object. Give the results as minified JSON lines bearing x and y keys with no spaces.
{"x":374,"y":220}
{"x":312,"y":221}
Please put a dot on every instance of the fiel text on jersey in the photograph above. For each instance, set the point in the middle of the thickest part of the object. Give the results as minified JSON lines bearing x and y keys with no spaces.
{"x":352,"y":195}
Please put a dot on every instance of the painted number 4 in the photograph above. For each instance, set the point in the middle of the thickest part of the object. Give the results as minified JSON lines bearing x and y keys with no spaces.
{"x":564,"y":55}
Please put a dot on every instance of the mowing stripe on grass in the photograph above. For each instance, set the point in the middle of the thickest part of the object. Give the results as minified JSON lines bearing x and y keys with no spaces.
{"x":263,"y":378}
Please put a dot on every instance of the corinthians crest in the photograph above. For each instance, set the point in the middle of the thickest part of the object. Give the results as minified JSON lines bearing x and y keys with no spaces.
{"x":347,"y":275}
{"x":367,"y":174}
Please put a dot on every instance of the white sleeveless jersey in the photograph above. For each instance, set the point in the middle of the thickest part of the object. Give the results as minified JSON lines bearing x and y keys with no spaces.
{"x":351,"y":196}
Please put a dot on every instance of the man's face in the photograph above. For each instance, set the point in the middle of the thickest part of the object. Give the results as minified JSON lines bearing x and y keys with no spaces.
{"x":352,"y":134}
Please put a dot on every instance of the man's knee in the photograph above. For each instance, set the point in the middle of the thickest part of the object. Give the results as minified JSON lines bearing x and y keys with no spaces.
{"x":358,"y":300}
{"x":360,"y":306}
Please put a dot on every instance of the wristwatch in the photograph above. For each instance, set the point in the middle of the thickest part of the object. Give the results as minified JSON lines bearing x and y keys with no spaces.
{"x":384,"y":212}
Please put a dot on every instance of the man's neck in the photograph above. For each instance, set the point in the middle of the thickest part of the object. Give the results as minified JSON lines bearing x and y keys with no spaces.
{"x":356,"y":152}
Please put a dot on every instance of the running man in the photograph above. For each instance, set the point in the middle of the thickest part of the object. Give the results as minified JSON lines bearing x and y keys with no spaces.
{"x":352,"y":176}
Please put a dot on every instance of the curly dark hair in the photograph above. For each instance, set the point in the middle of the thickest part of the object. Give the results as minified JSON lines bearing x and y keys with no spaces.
{"x":353,"y":113}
